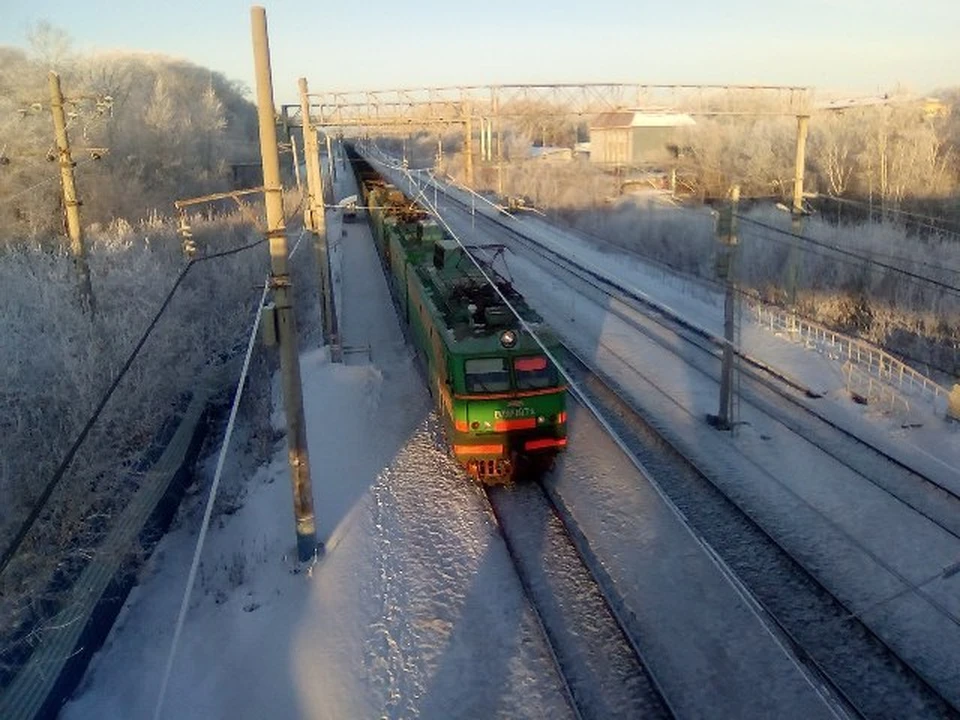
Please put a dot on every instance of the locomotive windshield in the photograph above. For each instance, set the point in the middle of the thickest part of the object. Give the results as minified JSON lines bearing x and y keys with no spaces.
{"x":534,"y":372}
{"x":487,"y":375}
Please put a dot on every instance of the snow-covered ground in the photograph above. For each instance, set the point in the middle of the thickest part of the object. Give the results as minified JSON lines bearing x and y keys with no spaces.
{"x":415,"y":609}
{"x":888,"y":563}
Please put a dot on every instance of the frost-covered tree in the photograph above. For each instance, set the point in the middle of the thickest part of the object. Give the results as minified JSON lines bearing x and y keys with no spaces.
{"x":171,"y":128}
{"x":50,"y":44}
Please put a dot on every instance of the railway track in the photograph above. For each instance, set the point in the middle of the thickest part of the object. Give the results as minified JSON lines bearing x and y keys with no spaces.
{"x":845,"y":652}
{"x":598,"y":662}
{"x":785,"y":396}
{"x":870,"y":678}
{"x":784,"y":399}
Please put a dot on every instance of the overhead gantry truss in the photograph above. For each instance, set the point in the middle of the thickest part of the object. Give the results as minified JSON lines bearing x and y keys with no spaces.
{"x":415,"y":107}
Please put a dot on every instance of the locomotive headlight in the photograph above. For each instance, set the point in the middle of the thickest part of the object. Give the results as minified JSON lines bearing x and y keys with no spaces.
{"x":508,"y":338}
{"x":541,"y":420}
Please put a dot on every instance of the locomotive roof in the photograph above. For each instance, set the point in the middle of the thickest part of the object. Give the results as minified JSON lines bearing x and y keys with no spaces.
{"x":472,"y":311}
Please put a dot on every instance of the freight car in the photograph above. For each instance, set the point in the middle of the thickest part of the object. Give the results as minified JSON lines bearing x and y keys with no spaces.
{"x":500,"y":398}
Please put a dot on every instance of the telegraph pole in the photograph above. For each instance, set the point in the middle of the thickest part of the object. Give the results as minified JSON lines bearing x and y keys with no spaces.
{"x":70,"y":201}
{"x":727,"y":269}
{"x":282,"y":287}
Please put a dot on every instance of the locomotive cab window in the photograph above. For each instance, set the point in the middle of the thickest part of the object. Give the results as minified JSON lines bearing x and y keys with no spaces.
{"x":487,"y":375}
{"x":534,"y":372}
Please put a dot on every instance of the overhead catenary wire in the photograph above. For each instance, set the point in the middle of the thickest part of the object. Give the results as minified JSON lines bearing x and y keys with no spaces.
{"x":929,"y":221}
{"x":735,"y":583}
{"x":850,"y":255}
{"x":865,"y":258}
{"x":859,"y":260}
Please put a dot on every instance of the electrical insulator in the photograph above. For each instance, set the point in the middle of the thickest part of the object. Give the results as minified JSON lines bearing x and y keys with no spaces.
{"x":186,"y":239}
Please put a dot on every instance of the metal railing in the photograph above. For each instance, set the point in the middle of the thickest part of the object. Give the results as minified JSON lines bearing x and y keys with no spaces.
{"x":872,"y":364}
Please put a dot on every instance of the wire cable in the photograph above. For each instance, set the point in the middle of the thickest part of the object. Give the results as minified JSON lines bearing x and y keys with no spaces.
{"x":931,"y":222}
{"x":208,"y":511}
{"x":721,"y":565}
{"x":296,"y":245}
{"x":872,"y":253}
{"x":205,"y":525}
{"x":849,"y":254}
{"x":52,"y":178}
{"x":75,"y":447}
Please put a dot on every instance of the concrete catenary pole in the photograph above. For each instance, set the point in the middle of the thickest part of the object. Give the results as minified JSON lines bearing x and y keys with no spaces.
{"x":496,"y":114}
{"x":296,"y":161}
{"x":796,"y":211}
{"x":283,"y":295}
{"x":490,"y":141}
{"x":313,"y":217}
{"x":727,"y":235}
{"x":799,"y":165}
{"x":468,"y":142}
{"x":330,"y":163}
{"x":316,"y":218}
{"x":483,"y":140}
{"x":70,"y":201}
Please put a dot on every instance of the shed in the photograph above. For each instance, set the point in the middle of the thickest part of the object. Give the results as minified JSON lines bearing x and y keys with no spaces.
{"x":635,"y":137}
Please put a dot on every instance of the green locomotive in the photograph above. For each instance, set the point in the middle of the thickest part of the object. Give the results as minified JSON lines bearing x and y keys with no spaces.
{"x":499,"y":396}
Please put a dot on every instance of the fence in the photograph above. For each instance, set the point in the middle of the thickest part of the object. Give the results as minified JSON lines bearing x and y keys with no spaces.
{"x":866,"y":368}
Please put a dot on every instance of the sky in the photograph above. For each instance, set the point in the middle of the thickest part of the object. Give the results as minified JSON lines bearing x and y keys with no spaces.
{"x":843,"y":45}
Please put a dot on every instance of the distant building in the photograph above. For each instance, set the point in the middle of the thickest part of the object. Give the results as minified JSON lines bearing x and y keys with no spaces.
{"x":633,"y":137}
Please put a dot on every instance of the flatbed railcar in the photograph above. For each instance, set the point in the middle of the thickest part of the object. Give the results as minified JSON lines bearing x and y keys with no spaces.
{"x":500,"y":398}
